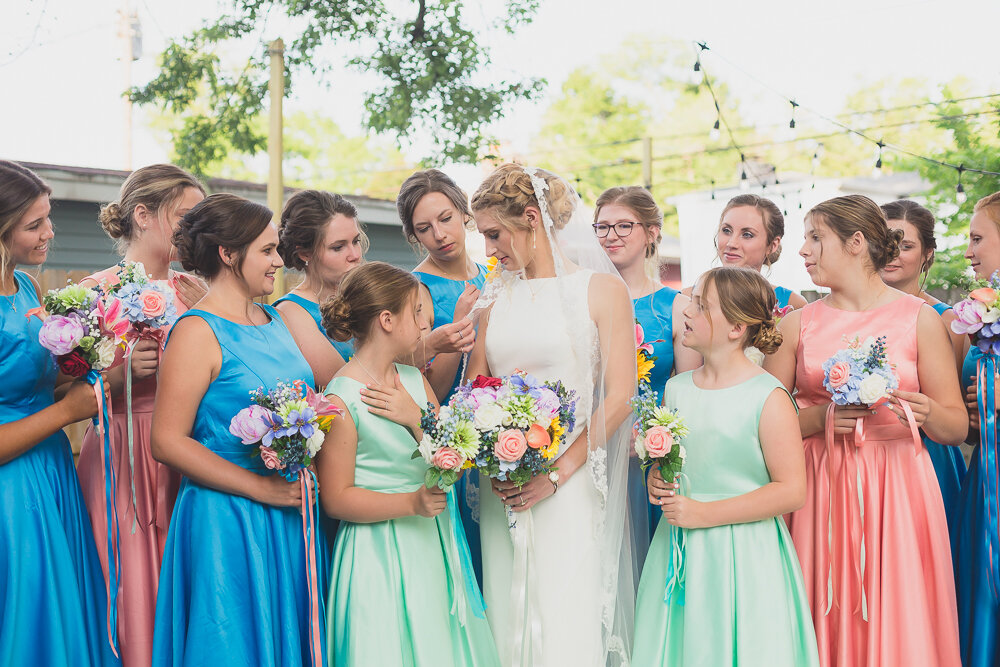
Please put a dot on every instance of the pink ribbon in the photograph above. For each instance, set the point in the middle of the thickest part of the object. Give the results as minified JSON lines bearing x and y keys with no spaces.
{"x":309,"y":525}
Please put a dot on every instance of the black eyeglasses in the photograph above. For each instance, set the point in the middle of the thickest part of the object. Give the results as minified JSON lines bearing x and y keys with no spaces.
{"x":622,"y":229}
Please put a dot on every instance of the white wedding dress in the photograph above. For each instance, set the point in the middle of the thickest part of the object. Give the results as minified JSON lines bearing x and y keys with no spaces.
{"x":543,"y":586}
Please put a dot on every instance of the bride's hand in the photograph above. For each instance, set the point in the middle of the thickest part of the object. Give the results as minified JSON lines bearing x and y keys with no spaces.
{"x":524,"y":497}
{"x":393,"y":403}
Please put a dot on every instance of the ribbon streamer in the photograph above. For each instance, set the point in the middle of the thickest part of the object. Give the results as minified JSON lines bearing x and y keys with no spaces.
{"x":473,"y":596}
{"x":986,"y":402}
{"x":676,"y":565}
{"x":102,"y":423}
{"x":310,"y":498}
{"x":524,"y":591}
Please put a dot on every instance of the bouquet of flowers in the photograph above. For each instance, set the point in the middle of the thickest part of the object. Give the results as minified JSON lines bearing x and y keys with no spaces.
{"x":83,"y":328}
{"x":860,"y":374}
{"x":148,"y":305}
{"x":288,"y":425}
{"x":658,"y":435}
{"x":450,"y":443}
{"x":644,"y":359}
{"x":978,"y":315}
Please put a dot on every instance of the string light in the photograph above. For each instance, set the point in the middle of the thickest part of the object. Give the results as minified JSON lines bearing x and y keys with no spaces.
{"x":714,"y":134}
{"x":713,"y":189}
{"x":744,"y":181}
{"x":960,"y":195}
{"x":877,"y":171}
{"x":791,"y":123}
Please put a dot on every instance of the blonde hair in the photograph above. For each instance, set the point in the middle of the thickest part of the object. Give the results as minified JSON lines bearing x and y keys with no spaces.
{"x":157,"y":187}
{"x":508,"y":191}
{"x":20,"y":188}
{"x":770,"y":214}
{"x":641,"y":203}
{"x":856,"y":213}
{"x":364,"y":293}
{"x":990,"y":205}
{"x":745,"y":297}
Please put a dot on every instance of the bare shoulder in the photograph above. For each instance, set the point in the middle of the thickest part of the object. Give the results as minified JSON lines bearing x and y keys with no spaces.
{"x":607,"y":286}
{"x":34,"y":283}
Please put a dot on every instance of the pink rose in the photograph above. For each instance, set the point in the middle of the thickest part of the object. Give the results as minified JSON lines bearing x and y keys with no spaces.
{"x":659,"y":442}
{"x":270,"y":458}
{"x":839,"y":374}
{"x":447,"y":458}
{"x":249,"y":425}
{"x":153,"y":302}
{"x":511,"y":445}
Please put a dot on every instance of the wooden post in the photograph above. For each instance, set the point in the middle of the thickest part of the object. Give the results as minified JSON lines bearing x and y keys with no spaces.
{"x":647,"y":163}
{"x":275,"y":146}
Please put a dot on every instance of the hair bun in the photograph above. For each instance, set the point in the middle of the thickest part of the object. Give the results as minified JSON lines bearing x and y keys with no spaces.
{"x":768,"y":338}
{"x":337,"y":319}
{"x":773,"y":257}
{"x":112,"y":220}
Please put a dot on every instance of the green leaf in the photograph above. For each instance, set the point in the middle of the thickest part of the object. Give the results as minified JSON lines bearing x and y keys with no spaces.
{"x":431,"y":477}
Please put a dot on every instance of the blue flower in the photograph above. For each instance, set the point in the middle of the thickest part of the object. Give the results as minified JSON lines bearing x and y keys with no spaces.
{"x":275,"y":428}
{"x":299,"y":421}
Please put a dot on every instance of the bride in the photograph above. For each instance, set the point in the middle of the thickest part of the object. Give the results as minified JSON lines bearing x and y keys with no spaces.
{"x":558,"y":580}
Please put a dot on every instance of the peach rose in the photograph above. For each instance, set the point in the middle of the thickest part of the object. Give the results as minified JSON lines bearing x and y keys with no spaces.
{"x":270,"y":457}
{"x":538,"y":437}
{"x":153,"y":303}
{"x":659,"y":442}
{"x":511,"y":445}
{"x":839,"y":373}
{"x":447,"y":458}
{"x":985,"y":295}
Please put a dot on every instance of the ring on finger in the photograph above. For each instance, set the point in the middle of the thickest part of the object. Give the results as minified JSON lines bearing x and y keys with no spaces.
{"x":522,"y":501}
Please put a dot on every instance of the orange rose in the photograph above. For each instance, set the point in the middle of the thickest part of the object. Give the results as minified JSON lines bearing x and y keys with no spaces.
{"x":538,"y":437}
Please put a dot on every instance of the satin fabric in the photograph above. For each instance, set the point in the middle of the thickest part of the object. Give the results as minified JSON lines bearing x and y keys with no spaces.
{"x":53,"y":602}
{"x":344,"y":348}
{"x":978,"y":610}
{"x":233,"y":587}
{"x":876,"y":508}
{"x":782,"y":294}
{"x":156,"y":485}
{"x":654,"y":312}
{"x":444,"y":294}
{"x":397,"y":597}
{"x":742,"y":600}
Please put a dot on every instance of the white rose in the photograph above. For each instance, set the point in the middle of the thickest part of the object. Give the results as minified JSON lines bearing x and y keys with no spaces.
{"x":444,"y":413}
{"x":991,"y":316}
{"x":754,"y":355}
{"x":105,"y":349}
{"x":489,"y":417}
{"x":683,"y":452}
{"x":872,"y":389}
{"x":640,"y":447}
{"x":426,"y":449}
{"x":314,"y":442}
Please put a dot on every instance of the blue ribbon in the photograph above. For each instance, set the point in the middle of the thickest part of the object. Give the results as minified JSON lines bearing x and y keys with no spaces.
{"x":987,"y":368}
{"x":674,"y":588}
{"x":94,"y":379}
{"x":472,"y":592}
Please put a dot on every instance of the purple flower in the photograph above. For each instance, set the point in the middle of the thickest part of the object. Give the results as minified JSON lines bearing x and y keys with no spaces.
{"x":275,"y":428}
{"x":547,"y":404}
{"x":61,"y":333}
{"x":299,"y":421}
{"x":250,"y":425}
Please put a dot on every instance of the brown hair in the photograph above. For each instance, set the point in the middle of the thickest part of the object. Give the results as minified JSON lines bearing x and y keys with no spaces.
{"x":641,"y":203}
{"x":420,"y":184}
{"x":157,"y":187}
{"x":19,"y":189}
{"x":850,"y":214}
{"x":774,"y":221}
{"x":508,"y":192}
{"x":990,"y":204}
{"x":921,"y":219}
{"x":219,"y":221}
{"x":745,"y":297}
{"x":365,"y":292}
{"x":304,"y":220}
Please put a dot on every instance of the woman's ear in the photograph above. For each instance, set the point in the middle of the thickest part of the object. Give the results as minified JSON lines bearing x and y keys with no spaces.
{"x":142,"y":216}
{"x":226,"y":255}
{"x":737,"y":331}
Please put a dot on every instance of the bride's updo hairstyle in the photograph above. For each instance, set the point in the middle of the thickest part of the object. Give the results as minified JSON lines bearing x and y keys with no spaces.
{"x":508,"y":191}
{"x":364,"y":293}
{"x":850,"y":214}
{"x":219,"y":221}
{"x":745,"y":297}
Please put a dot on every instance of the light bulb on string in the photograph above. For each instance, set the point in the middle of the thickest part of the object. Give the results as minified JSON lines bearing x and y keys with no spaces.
{"x":791,"y":123}
{"x":713,"y":189}
{"x":877,"y":171}
{"x":960,"y":195}
{"x":714,"y":133}
{"x":697,"y":64}
{"x":744,"y":181}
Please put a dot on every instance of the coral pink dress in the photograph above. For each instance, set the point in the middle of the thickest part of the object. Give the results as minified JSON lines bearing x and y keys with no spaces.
{"x":872,"y":537}
{"x":156,"y":488}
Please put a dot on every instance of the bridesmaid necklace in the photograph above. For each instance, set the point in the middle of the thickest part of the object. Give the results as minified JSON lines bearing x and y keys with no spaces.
{"x":368,"y":372}
{"x":444,"y":274}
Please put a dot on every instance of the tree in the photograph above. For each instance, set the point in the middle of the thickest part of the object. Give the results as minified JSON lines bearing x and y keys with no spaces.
{"x":431,"y":69}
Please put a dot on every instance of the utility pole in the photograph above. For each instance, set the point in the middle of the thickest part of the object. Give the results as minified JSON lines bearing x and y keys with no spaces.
{"x":130,"y":30}
{"x":275,"y":147}
{"x":647,"y":163}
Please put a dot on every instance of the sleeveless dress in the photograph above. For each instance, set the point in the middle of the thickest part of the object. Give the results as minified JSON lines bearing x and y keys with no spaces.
{"x":978,"y":610}
{"x":397,"y":596}
{"x":876,"y":507}
{"x":567,"y":581}
{"x":53,"y":601}
{"x":654,"y":313}
{"x":156,"y":485}
{"x":344,"y":349}
{"x":783,"y":294}
{"x":444,"y":294}
{"x":742,"y":600}
{"x":233,"y":587}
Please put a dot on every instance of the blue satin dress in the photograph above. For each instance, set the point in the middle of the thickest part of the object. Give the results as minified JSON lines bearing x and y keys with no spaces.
{"x":53,"y":601}
{"x":783,"y":294}
{"x":344,"y":349}
{"x":233,"y":588}
{"x":444,"y":294}
{"x":655,"y":315}
{"x":978,"y":610}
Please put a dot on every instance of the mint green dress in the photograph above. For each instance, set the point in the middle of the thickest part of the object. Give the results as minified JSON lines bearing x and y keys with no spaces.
{"x":728,"y":595}
{"x":398,"y":589}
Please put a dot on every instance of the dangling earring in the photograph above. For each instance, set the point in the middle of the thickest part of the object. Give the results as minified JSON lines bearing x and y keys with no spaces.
{"x":533,"y":231}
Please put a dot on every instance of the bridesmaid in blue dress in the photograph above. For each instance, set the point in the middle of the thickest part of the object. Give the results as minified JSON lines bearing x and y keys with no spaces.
{"x":978,"y":607}
{"x":628,"y":222}
{"x":749,"y":235}
{"x":233,"y":585}
{"x":435,"y":215}
{"x":53,"y":601}
{"x":907,"y":273}
{"x":320,"y":236}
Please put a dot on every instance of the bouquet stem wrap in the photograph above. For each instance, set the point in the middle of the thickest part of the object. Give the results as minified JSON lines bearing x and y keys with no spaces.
{"x":310,"y":495}
{"x":473,"y":596}
{"x":102,"y":422}
{"x":986,"y":395}
{"x":523,"y":587}
{"x":853,"y":525}
{"x":158,"y":336}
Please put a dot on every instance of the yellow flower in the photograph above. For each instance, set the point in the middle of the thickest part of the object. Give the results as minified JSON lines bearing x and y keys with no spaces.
{"x":644,"y":365}
{"x":494,"y":269}
{"x":556,"y":432}
{"x":469,"y":463}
